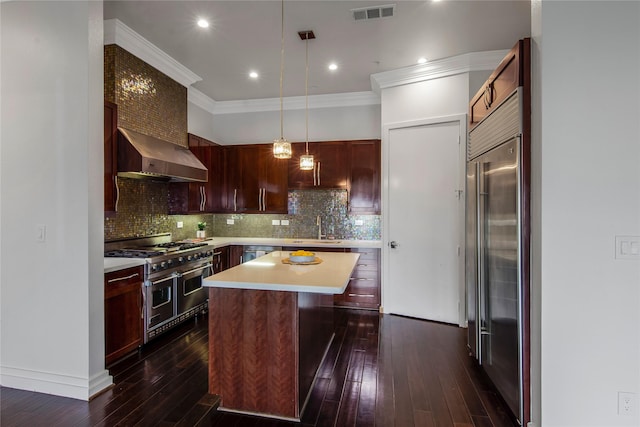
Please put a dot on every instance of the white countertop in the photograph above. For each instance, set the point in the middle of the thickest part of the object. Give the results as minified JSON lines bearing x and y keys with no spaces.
{"x":115,"y":264}
{"x":268,"y":273}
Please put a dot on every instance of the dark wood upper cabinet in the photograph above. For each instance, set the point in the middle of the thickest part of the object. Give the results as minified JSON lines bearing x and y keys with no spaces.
{"x":351,"y":165}
{"x":110,"y":155}
{"x":201,"y":197}
{"x":256,"y":181}
{"x":330,"y":170}
{"x":509,"y":74}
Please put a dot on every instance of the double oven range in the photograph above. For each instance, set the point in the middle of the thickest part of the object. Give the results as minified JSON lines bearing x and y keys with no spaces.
{"x":172,"y":291}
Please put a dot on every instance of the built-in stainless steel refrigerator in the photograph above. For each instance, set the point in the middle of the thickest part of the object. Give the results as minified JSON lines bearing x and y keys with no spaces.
{"x":494,"y":249}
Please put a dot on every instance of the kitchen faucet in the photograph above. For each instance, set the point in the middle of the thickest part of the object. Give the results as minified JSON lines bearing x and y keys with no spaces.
{"x":319,"y":224}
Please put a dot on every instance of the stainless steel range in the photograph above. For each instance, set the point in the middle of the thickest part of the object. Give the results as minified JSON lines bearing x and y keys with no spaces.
{"x":173,"y":273}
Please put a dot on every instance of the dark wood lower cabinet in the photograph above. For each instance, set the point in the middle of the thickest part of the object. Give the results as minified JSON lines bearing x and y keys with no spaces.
{"x":363,"y":290}
{"x":122,"y":312}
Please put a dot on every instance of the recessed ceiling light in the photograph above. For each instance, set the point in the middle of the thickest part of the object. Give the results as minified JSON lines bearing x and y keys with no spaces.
{"x":253,"y":75}
{"x":333,"y":66}
{"x":422,"y":60}
{"x":203,"y":23}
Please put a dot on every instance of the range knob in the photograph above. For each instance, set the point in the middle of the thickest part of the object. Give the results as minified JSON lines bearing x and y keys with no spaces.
{"x":209,"y":253}
{"x":154,"y":267}
{"x":189,"y":258}
{"x":169,"y":263}
{"x":196,"y":256}
{"x":163,"y":265}
{"x":181,"y":260}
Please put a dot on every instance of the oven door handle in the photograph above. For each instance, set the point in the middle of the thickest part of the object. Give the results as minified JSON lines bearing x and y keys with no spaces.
{"x":150,"y":283}
{"x":195,"y":269}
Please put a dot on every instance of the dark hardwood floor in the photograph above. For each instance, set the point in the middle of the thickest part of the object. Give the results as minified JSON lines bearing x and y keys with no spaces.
{"x":380,"y":371}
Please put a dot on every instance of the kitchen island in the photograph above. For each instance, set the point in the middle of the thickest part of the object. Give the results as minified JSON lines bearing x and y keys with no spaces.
{"x":270,"y":325}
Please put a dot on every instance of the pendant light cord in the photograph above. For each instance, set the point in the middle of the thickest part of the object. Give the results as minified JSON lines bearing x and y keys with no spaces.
{"x":281,"y":72}
{"x":306,"y":91}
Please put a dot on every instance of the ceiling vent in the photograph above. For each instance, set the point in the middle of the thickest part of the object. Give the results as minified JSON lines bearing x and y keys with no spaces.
{"x":366,"y":13}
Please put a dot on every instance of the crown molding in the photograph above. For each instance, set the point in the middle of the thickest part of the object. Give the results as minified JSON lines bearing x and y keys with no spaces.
{"x":116,"y":32}
{"x":351,"y":99}
{"x":475,"y":61}
{"x":200,"y":99}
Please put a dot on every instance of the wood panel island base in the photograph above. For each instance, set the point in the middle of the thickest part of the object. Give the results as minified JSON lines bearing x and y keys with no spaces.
{"x":270,"y":325}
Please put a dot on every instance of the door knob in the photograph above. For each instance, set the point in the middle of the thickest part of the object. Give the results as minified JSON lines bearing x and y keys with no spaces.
{"x":393,"y":244}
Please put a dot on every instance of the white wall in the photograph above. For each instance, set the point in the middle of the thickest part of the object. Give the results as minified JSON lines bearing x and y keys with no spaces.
{"x":52,"y":327}
{"x":201,"y":123}
{"x":587,"y":136}
{"x":325,"y":124}
{"x":427,"y":99}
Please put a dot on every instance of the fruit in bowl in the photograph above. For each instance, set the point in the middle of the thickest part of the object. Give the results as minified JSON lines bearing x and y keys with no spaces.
{"x":302,"y":256}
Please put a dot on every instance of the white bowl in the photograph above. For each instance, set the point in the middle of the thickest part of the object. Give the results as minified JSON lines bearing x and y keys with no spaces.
{"x":294,"y":258}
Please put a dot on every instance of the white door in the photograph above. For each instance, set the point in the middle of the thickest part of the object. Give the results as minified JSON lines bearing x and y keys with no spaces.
{"x":424,"y":221}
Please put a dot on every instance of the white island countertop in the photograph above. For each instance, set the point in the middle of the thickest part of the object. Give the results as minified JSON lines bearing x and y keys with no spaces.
{"x":269,"y":273}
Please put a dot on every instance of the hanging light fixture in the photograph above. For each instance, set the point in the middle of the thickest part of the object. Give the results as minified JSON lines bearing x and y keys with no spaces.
{"x":306,"y":160}
{"x":281,"y":147}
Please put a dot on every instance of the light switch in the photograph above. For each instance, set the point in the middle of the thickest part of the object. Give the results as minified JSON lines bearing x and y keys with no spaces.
{"x":41,"y":233}
{"x":180,"y":224}
{"x":230,"y":221}
{"x":628,"y":247}
{"x":359,"y":222}
{"x":284,"y":222}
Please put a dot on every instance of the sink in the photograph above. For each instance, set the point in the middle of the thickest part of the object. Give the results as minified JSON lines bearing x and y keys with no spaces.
{"x":313,"y":242}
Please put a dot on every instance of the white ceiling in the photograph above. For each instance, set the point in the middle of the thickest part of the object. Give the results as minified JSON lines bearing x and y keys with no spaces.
{"x":245,"y":35}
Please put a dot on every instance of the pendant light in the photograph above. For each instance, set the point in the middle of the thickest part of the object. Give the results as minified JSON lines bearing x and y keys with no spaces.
{"x":281,"y":147}
{"x":306,"y":160}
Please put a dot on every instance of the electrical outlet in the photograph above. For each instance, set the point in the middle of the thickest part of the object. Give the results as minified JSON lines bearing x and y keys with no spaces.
{"x":359,"y":222}
{"x":284,"y":222}
{"x":626,"y":403}
{"x":179,"y":224}
{"x":275,"y":222}
{"x":230,"y":221}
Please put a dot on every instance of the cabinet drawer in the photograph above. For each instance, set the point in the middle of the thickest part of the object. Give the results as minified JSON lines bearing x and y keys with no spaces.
{"x":368,"y":300}
{"x":364,"y":276}
{"x":121,"y":281}
{"x":367,"y":254}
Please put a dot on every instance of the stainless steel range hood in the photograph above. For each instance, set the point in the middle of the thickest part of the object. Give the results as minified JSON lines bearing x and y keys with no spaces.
{"x":143,"y":156}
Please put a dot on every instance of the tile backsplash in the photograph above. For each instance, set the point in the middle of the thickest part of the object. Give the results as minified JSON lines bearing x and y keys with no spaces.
{"x":142,"y":211}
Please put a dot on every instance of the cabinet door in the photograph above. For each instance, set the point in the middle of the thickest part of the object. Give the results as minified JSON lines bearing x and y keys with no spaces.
{"x":364,"y":177}
{"x":299,"y":179}
{"x":235,"y":255}
{"x":110,"y":155}
{"x":501,"y":83}
{"x":215,"y":190}
{"x":331,"y":164}
{"x":123,"y":312}
{"x":249,"y":196}
{"x":274,"y":182}
{"x":201,"y":197}
{"x":220,"y":259}
{"x":232,"y":179}
{"x":198,"y":190}
{"x":330,"y":169}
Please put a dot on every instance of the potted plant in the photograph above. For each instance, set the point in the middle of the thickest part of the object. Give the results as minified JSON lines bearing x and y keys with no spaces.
{"x":201,"y":227}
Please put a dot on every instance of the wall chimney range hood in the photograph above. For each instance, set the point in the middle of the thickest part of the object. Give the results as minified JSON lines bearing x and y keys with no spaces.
{"x":146,"y":157}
